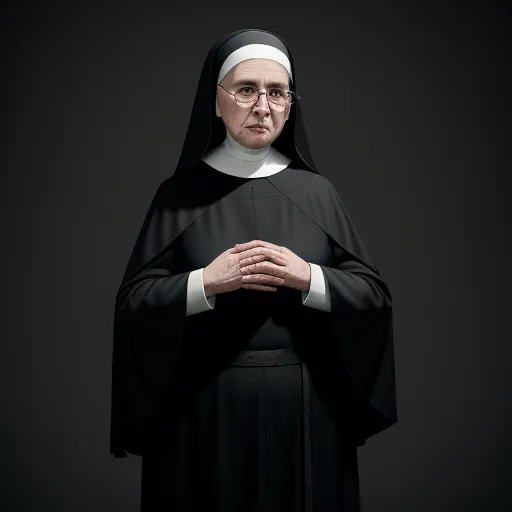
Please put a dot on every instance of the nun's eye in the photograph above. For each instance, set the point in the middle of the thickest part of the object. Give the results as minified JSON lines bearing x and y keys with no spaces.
{"x":247,"y":91}
{"x":276,"y":93}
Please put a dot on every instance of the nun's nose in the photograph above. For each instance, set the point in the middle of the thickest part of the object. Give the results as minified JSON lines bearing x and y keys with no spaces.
{"x":262,"y":103}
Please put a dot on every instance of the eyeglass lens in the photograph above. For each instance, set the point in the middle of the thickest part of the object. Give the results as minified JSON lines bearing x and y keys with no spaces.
{"x":275,"y":96}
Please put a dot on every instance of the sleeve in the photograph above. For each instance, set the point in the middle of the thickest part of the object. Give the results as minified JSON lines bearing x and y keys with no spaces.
{"x":318,"y":294}
{"x":197,"y":302}
{"x":354,"y":287}
{"x":361,"y":323}
{"x":359,"y":326}
{"x":148,"y":334}
{"x":148,"y":329}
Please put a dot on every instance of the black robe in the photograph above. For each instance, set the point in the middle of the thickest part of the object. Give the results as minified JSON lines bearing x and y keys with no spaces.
{"x":231,"y":438}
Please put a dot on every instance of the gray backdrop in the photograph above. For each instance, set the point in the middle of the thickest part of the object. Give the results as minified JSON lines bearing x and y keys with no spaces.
{"x":408,"y":114}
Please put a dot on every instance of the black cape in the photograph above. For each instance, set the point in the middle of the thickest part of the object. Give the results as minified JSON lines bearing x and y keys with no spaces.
{"x":148,"y":322}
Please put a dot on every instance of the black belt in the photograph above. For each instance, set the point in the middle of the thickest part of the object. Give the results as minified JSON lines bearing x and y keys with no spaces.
{"x":282,"y":357}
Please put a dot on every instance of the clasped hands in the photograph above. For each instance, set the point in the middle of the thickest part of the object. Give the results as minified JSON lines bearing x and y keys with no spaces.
{"x":260,"y":259}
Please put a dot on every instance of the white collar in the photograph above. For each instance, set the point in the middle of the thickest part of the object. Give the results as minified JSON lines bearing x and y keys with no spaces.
{"x":237,"y":160}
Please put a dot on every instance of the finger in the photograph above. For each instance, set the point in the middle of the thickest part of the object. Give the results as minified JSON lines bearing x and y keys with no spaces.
{"x":270,"y":254}
{"x":259,"y":287}
{"x":264,"y":267}
{"x":255,"y":243}
{"x":262,"y":279}
{"x":253,"y":259}
{"x":269,"y":268}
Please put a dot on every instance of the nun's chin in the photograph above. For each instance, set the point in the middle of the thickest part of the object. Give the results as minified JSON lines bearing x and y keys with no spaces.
{"x":256,"y":140}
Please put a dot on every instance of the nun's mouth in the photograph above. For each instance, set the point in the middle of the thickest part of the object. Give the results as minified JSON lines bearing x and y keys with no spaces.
{"x":258,"y":128}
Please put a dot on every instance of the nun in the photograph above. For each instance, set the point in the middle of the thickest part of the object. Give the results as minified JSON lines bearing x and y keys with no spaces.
{"x":253,"y":335}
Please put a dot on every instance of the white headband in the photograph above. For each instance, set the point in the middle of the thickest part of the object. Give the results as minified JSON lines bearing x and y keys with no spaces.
{"x":254,"y":51}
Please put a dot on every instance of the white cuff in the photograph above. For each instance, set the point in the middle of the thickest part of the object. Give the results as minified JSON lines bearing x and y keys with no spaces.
{"x":197,"y":302}
{"x":318,"y":296}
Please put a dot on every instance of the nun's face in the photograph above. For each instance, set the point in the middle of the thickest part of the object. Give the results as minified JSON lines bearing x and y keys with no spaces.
{"x":239,"y":120}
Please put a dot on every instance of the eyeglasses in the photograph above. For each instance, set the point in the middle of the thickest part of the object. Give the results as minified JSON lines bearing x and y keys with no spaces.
{"x":278,"y":99}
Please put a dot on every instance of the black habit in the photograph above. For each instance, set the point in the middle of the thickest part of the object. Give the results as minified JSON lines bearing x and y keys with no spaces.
{"x":260,"y":403}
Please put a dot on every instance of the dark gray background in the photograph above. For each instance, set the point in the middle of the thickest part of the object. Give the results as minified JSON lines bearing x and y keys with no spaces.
{"x":408,"y":114}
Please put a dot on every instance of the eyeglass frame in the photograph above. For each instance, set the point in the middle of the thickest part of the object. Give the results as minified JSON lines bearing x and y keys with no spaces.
{"x":298,"y":98}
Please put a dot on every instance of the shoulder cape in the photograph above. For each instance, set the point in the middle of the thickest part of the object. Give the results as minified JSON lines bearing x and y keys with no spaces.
{"x":151,"y":302}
